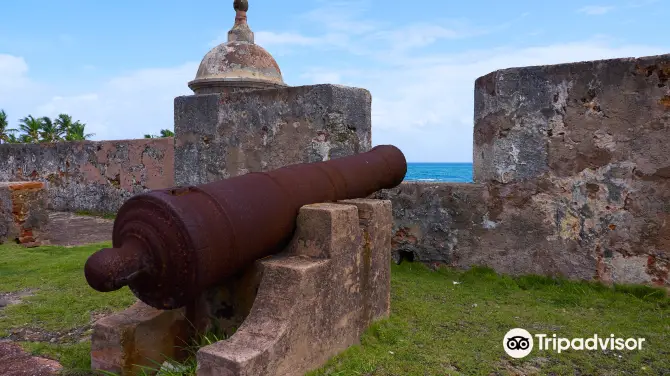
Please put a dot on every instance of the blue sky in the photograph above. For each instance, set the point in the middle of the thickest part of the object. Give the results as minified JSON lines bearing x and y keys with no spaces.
{"x":117,"y":65}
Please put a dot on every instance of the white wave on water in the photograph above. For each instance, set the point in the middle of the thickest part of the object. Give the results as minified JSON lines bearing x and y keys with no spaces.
{"x":426,"y":179}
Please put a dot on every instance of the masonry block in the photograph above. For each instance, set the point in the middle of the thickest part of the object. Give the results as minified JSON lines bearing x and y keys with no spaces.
{"x":437,"y":222}
{"x":577,"y":162}
{"x":140,"y":336}
{"x":224,"y":135}
{"x":565,"y":119}
{"x":23,"y":212}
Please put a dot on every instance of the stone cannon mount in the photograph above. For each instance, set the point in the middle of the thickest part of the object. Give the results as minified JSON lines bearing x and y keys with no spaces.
{"x":293,"y":311}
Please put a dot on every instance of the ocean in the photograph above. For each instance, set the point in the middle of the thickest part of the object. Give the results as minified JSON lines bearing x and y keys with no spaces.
{"x":449,"y":172}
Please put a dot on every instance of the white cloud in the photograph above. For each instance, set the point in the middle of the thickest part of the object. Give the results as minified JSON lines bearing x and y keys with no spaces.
{"x":342,"y":16}
{"x":268,"y":38}
{"x":127,"y":106}
{"x":595,"y":10}
{"x":18,"y":93}
{"x":320,"y":76}
{"x":14,"y":73}
{"x":422,"y":34}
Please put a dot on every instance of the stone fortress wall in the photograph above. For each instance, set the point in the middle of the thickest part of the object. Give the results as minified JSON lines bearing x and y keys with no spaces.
{"x":88,"y":175}
{"x":571,"y":166}
{"x":572,"y":177}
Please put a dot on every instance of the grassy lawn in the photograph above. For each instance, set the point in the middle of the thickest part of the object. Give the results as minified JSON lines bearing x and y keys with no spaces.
{"x":441,"y":328}
{"x":437,"y":327}
{"x":58,"y":306}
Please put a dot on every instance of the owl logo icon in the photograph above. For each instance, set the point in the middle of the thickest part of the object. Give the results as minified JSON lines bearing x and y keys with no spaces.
{"x":518,"y":343}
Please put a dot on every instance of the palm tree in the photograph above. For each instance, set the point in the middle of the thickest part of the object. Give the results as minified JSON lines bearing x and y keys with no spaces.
{"x":164,"y":133}
{"x":11,"y":139}
{"x":64,"y":124}
{"x":31,"y":128}
{"x":50,"y":132}
{"x":77,"y":132}
{"x":72,"y":131}
{"x":167,"y":133}
{"x":6,"y":134}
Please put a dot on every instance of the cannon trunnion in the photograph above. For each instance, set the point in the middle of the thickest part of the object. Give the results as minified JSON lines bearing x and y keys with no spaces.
{"x":171,"y":244}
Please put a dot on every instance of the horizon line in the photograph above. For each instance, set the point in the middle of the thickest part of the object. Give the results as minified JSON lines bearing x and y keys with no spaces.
{"x":440,"y":162}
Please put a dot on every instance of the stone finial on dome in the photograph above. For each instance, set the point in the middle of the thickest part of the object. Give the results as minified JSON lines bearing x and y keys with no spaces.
{"x":238,"y":64}
{"x":241,"y":5}
{"x":241,"y":31}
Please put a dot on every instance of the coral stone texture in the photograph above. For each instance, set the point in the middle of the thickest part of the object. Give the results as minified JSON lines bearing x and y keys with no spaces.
{"x":438,"y":222}
{"x":23,"y":214}
{"x":568,"y":119}
{"x":88,"y":175}
{"x":225,"y":135}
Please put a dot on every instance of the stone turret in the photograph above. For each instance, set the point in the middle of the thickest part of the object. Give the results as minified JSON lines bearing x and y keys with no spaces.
{"x":243,"y":117}
{"x":238,"y":64}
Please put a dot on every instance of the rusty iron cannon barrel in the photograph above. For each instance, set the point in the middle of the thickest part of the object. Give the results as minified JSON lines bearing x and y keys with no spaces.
{"x":171,"y":244}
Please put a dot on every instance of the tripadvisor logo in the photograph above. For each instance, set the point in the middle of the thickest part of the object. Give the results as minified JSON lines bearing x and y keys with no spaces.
{"x":518,"y":343}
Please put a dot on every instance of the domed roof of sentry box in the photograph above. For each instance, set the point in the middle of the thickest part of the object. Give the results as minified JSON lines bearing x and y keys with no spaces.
{"x":239,"y":63}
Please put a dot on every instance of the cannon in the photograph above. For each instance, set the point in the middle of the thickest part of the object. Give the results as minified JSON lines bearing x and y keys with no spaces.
{"x":169,"y":245}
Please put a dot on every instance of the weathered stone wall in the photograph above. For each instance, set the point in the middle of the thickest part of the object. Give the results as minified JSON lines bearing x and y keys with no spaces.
{"x":23,"y":214}
{"x":91,"y":176}
{"x":225,"y":135}
{"x":572,"y":177}
{"x":437,"y":221}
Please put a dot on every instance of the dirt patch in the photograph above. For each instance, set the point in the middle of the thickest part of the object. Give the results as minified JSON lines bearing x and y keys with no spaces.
{"x":81,"y":334}
{"x":14,"y":361}
{"x":531,"y":368}
{"x":73,"y":335}
{"x":69,"y":229}
{"x":9,"y":298}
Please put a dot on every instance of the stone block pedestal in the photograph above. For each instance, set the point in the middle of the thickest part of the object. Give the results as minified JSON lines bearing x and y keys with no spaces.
{"x":140,"y":336}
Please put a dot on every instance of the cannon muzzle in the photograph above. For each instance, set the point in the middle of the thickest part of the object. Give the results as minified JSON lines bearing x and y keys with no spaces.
{"x":171,"y":244}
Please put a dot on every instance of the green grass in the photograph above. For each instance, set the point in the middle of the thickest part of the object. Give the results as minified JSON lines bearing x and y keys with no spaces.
{"x":436,"y":327}
{"x":441,"y":328}
{"x":61,"y":299}
{"x":75,"y":358}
